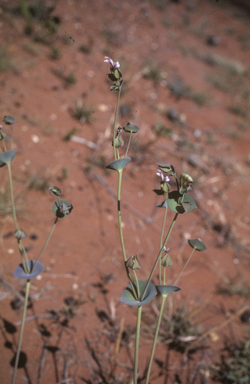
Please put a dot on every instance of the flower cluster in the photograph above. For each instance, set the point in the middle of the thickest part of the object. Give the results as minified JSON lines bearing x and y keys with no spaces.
{"x":164,"y":181}
{"x":115,"y":74}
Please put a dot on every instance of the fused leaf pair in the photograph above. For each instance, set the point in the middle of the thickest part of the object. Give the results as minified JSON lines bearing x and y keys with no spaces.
{"x":127,"y":296}
{"x":34,"y":267}
{"x":7,"y":157}
{"x":61,"y":208}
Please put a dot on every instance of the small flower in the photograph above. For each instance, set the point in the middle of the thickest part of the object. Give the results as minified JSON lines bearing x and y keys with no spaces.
{"x":108,"y":60}
{"x":115,"y":74}
{"x":114,"y":64}
{"x":164,"y":179}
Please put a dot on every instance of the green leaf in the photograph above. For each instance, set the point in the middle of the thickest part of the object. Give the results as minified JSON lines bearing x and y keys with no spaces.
{"x":118,"y":165}
{"x":166,"y":167}
{"x":175,"y":199}
{"x":127,"y":296}
{"x":7,"y":157}
{"x":131,"y":128}
{"x":197,"y":244}
{"x":112,"y":77}
{"x":164,"y":204}
{"x":158,"y":192}
{"x":21,"y":274}
{"x":62,"y":208}
{"x":165,"y":290}
{"x":8,"y":120}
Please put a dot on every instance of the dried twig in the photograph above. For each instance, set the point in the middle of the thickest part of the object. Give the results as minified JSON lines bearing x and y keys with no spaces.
{"x":83,"y":141}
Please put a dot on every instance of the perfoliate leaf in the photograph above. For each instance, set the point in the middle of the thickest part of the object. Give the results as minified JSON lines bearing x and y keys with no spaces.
{"x":165,"y":290}
{"x":6,"y":157}
{"x":119,"y":165}
{"x":8,"y":120}
{"x":62,"y":208}
{"x":197,"y":244}
{"x":35,"y":270}
{"x":127,"y":296}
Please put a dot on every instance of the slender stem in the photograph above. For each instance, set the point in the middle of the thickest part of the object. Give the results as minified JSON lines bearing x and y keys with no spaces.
{"x":21,"y":331}
{"x":137,"y":284}
{"x":159,"y":255}
{"x":155,"y":338}
{"x":137,"y":338}
{"x":116,"y":113}
{"x":161,"y":240}
{"x":22,"y":252}
{"x":4,"y":146}
{"x":128,"y":144}
{"x":177,"y":278}
{"x":164,"y":276}
{"x":11,"y":141}
{"x":177,"y":183}
{"x":45,"y":245}
{"x":20,"y":244}
{"x":12,"y":197}
{"x":121,"y":233}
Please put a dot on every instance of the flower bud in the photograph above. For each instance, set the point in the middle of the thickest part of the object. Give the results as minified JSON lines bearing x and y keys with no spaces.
{"x":20,"y":234}
{"x":186,"y":183}
{"x":133,"y":263}
{"x":166,"y":260}
{"x":55,"y":191}
{"x":118,"y":138}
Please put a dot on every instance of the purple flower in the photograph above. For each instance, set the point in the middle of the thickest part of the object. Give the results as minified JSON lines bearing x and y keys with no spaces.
{"x":114,"y":64}
{"x":108,"y":60}
{"x":164,"y":179}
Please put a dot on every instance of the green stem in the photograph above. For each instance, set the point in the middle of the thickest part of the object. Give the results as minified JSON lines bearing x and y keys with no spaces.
{"x":11,"y":141}
{"x":20,"y":244}
{"x":159,"y":255}
{"x":137,"y":338}
{"x":177,"y":278}
{"x":116,"y":113}
{"x":162,"y":233}
{"x":21,"y":331}
{"x":4,"y":146}
{"x":45,"y":245}
{"x":128,"y":144}
{"x":155,"y":338}
{"x":12,"y":197}
{"x":137,"y":284}
{"x":164,"y":276}
{"x":121,"y":233}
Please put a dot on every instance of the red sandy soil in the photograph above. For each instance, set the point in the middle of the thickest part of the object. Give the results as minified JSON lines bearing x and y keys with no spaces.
{"x":83,"y":259}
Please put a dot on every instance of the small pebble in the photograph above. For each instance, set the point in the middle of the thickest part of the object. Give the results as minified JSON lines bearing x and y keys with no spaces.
{"x":35,"y":139}
{"x":213,"y":40}
{"x":53,"y":116}
{"x":172,"y":114}
{"x":33,"y":236}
